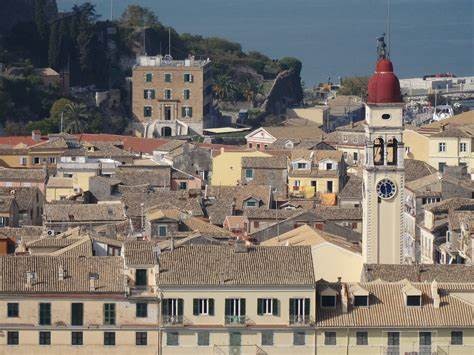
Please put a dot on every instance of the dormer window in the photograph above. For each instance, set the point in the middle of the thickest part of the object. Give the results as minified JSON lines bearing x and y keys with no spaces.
{"x":414,"y":301}
{"x":360,"y":296}
{"x":412,"y":295}
{"x":328,"y":301}
{"x":386,"y":116}
{"x":361,"y":301}
{"x":328,"y":166}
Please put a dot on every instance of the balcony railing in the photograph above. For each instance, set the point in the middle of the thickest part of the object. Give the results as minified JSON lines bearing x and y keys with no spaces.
{"x":299,"y":320}
{"x":238,"y":350}
{"x":173,"y":320}
{"x":235,"y":320}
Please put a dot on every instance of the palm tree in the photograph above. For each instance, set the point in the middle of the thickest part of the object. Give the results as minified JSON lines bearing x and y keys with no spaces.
{"x":251,"y":88}
{"x":75,"y":116}
{"x":224,"y":88}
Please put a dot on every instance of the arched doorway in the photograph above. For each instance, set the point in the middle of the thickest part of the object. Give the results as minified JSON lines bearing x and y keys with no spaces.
{"x":166,"y":131}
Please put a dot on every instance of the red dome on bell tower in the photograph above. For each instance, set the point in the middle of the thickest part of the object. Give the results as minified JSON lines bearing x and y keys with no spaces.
{"x":384,"y":86}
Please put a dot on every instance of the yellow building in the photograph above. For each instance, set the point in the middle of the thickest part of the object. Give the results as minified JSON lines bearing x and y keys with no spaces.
{"x":416,"y":145}
{"x":325,"y":248}
{"x":315,"y":172}
{"x":79,"y":305}
{"x":227,"y":166}
{"x":59,"y":188}
{"x":133,"y":304}
{"x":394,"y":318}
{"x":447,"y":142}
{"x":242,"y":300}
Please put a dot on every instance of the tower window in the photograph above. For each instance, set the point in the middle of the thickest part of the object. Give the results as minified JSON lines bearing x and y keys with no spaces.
{"x":392,"y":148}
{"x":379,"y":151}
{"x":386,"y":116}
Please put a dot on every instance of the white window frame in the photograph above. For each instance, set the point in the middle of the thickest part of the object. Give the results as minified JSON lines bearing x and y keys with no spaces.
{"x":442,"y":147}
{"x":171,"y":94}
{"x":190,"y":77}
{"x":189,"y":94}
{"x":463,"y":147}
{"x":267,"y":305}
{"x":203,"y":306}
{"x":236,"y":308}
{"x":166,"y":229}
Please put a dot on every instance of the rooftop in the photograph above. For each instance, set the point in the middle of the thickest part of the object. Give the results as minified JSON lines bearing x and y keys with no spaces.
{"x":215,"y":265}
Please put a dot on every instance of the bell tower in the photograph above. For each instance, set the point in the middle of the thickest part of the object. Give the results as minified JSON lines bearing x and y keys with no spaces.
{"x":383,"y":169}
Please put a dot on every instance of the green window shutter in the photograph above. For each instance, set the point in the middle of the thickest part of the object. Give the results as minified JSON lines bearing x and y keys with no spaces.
{"x":183,"y":111}
{"x":164,"y":307}
{"x":227,"y":307}
{"x":292,"y":306}
{"x":306,"y":307}
{"x":180,"y":307}
{"x":242,"y":307}
{"x":211,"y":306}
{"x":190,"y":112}
{"x":275,"y":307}
{"x":259,"y":306}
{"x":195,"y":306}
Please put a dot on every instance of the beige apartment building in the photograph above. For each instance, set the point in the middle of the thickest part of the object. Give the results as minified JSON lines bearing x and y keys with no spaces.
{"x":241,"y":300}
{"x":395,"y":318}
{"x":172,"y":97}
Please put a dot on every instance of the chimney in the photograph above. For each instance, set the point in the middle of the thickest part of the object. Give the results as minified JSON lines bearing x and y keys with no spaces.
{"x":36,"y":135}
{"x":61,"y":273}
{"x":92,"y":281}
{"x":240,"y":247}
{"x":435,"y":294}
{"x":30,"y":278}
{"x":344,"y":296}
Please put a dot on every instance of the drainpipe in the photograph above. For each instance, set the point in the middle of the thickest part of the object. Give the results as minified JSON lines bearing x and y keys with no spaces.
{"x":159,"y":320}
{"x":347,"y":341}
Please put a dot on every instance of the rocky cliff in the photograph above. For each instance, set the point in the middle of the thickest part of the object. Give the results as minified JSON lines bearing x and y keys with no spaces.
{"x":286,"y":91}
{"x":15,"y":11}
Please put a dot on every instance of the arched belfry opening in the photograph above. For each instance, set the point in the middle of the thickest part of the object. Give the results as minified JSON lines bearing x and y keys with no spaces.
{"x":392,"y":150}
{"x":379,"y":151}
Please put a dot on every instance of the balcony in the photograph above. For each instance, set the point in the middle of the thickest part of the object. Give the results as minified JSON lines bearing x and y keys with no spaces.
{"x":302,"y":191}
{"x":169,"y":320}
{"x":238,"y":350}
{"x":299,"y":320}
{"x":236,"y":320}
{"x":142,"y":291}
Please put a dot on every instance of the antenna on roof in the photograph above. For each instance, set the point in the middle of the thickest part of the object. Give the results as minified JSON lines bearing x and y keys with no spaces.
{"x":388,"y":28}
{"x":169,"y":41}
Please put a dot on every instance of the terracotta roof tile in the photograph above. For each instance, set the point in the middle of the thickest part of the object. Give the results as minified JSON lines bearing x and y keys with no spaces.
{"x":224,"y":266}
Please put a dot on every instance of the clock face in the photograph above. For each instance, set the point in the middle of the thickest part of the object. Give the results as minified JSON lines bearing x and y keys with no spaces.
{"x":386,"y":188}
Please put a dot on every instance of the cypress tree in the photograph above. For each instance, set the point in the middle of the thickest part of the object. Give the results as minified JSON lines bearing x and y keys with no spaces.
{"x":42,"y":29}
{"x":54,"y":50}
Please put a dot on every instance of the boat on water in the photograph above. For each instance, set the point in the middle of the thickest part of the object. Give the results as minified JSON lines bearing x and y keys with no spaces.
{"x":442,"y":112}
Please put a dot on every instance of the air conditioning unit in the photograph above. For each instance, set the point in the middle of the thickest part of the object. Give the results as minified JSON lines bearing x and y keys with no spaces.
{"x":50,"y":232}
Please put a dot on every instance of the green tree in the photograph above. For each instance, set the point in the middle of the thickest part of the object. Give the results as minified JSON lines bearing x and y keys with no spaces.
{"x":75,"y":118}
{"x":138,"y":16}
{"x":42,"y":28}
{"x":54,"y":50}
{"x":224,"y":88}
{"x":287,"y":63}
{"x":356,"y":85}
